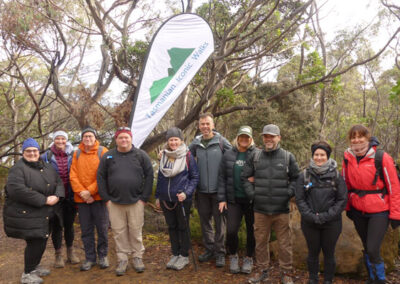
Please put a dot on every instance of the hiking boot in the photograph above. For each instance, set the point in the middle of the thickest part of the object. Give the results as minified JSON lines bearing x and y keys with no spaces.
{"x":247,"y":265}
{"x":220,"y":260}
{"x":171,"y":262}
{"x":258,"y":277}
{"x":206,"y":256}
{"x":286,"y":279}
{"x":40,"y":271}
{"x":121,"y":268}
{"x":103,"y":262}
{"x":234,"y":264}
{"x":87,"y":265}
{"x":138,"y":264}
{"x":181,"y":262}
{"x":71,"y":256}
{"x":59,"y":262}
{"x":30,"y":278}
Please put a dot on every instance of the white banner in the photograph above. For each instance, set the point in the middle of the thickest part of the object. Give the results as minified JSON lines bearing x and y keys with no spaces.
{"x":178,"y":50}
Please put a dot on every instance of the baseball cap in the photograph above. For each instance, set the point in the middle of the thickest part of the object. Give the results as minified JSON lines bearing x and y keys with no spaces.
{"x":271,"y":129}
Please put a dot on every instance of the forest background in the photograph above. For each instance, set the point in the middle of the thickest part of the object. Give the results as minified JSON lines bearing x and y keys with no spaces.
{"x":70,"y":64}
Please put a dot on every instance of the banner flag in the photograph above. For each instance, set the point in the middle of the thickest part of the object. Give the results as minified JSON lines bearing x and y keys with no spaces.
{"x":177,"y":51}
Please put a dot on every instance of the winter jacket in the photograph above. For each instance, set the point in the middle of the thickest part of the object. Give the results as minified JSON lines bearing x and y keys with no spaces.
{"x":208,"y":160}
{"x":26,"y":215}
{"x":186,"y":181}
{"x":125,"y":177}
{"x":360,"y":175}
{"x":69,"y":151}
{"x":226,"y":190}
{"x":83,"y":171}
{"x":275,"y":177}
{"x":325,"y":199}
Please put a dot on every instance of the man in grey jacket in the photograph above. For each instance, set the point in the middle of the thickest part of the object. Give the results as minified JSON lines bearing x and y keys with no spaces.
{"x":208,"y":148}
{"x":275,"y":172}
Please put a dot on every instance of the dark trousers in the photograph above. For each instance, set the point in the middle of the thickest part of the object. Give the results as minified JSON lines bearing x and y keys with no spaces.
{"x":371,"y":228}
{"x":91,"y":216}
{"x":33,"y":253}
{"x":178,"y":229}
{"x":69,"y":213}
{"x":235,"y":213}
{"x":323,"y":237}
{"x":207,"y":205}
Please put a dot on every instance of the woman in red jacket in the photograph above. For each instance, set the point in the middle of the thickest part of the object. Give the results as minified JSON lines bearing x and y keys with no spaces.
{"x":372,"y":202}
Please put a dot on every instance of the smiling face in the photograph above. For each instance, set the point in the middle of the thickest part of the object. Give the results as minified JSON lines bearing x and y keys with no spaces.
{"x":271,"y":141}
{"x":60,"y":142}
{"x":124,"y":142}
{"x":88,"y":139}
{"x":244,"y":141}
{"x":31,"y":154}
{"x":206,"y":125}
{"x":357,"y":138}
{"x":174,"y":143}
{"x":320,"y":157}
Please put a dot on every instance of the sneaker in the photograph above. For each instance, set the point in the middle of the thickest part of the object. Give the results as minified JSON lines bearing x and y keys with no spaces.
{"x":103,"y":262}
{"x":220,"y":260}
{"x":59,"y":262}
{"x":286,"y":279}
{"x":259,"y":277}
{"x":171,"y":262}
{"x":71,"y":256}
{"x":138,"y":264}
{"x":234,"y":263}
{"x":121,"y":268}
{"x":30,"y":278}
{"x":87,"y":265}
{"x":206,"y":256}
{"x":181,"y":262}
{"x":247,"y":265}
{"x":40,"y":271}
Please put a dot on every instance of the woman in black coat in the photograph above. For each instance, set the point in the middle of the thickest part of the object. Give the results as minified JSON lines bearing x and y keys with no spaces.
{"x":232,"y":197}
{"x":33,"y":191}
{"x":321,"y":196}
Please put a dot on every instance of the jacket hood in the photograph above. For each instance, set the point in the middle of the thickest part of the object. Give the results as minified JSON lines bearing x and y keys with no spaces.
{"x":93,"y":150}
{"x":374,"y":141}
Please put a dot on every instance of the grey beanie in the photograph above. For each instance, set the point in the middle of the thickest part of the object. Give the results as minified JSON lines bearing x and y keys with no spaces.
{"x":174,"y":132}
{"x":89,"y":129}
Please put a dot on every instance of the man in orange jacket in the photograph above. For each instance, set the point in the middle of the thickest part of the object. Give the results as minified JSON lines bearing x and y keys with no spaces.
{"x":92,"y":210}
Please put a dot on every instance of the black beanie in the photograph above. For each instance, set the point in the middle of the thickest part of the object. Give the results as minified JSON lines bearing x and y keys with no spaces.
{"x":88,"y":129}
{"x":314,"y":148}
{"x":174,"y":132}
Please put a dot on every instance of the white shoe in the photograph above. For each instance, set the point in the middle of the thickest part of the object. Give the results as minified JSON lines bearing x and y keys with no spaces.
{"x":31,"y":278}
{"x":181,"y":262}
{"x":171,"y":262}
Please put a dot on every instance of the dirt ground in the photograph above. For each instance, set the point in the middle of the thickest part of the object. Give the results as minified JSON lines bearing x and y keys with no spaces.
{"x":155,"y":258}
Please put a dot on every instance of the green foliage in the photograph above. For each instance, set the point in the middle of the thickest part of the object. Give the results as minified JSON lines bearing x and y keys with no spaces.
{"x":394,"y":94}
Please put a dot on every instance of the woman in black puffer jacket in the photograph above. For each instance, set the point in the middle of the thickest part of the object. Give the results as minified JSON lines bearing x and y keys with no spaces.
{"x":232,"y":197}
{"x":33,"y":191}
{"x":321,"y":196}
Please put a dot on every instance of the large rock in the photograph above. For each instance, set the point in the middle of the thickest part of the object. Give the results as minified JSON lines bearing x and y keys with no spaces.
{"x":349,"y":258}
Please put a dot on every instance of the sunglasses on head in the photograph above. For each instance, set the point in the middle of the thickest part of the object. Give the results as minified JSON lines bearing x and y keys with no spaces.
{"x":124,"y":128}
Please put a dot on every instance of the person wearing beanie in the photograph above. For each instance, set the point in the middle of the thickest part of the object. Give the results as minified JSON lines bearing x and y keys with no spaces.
{"x":92,"y":209}
{"x":176,"y":182}
{"x":34,"y":190}
{"x":321,"y":197}
{"x":125,"y":180}
{"x":59,"y":156}
{"x":233,"y":198}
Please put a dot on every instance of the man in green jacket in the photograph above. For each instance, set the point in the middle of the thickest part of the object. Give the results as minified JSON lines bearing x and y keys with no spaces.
{"x":275,"y":172}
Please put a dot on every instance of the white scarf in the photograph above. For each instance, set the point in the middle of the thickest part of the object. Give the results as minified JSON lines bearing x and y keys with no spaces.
{"x":173,"y":162}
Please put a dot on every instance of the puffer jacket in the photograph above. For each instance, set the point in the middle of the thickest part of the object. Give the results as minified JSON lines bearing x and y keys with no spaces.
{"x":360,"y":175}
{"x":325,"y":199}
{"x":226,"y":189}
{"x":275,"y":177}
{"x":83,"y":173}
{"x":186,"y":181}
{"x":26,"y":215}
{"x":208,"y":160}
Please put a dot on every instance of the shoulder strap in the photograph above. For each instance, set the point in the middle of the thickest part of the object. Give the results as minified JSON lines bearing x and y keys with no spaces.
{"x":49,"y":154}
{"x":256,"y":157}
{"x":187,"y":159}
{"x":78,"y":153}
{"x":287,"y":159}
{"x":378,"y":165}
{"x":99,"y":151}
{"x":307,"y":177}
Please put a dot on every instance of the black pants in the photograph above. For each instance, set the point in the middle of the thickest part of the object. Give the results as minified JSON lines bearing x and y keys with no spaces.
{"x":69,"y":214}
{"x":235,"y":213}
{"x":371,"y":228}
{"x":322,"y":237}
{"x":177,"y":226}
{"x":33,"y":253}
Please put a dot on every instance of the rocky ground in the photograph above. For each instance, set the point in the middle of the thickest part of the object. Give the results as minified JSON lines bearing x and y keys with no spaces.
{"x":155,"y":259}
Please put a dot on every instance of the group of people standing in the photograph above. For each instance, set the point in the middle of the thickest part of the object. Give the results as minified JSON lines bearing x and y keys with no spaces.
{"x":227,"y":182}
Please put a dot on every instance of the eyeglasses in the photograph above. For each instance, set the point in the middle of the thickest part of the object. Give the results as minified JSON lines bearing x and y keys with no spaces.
{"x":34,"y":151}
{"x":123,"y":128}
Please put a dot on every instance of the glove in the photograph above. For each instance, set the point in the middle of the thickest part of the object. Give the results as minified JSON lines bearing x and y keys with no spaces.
{"x":395,"y":223}
{"x":349,"y":215}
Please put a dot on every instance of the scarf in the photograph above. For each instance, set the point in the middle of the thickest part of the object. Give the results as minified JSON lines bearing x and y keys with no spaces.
{"x":320,"y":170}
{"x":173,"y":162}
{"x":360,"y":149}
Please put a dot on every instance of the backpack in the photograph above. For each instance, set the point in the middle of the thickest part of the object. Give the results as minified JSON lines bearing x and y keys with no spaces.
{"x":379,"y":169}
{"x":99,"y":151}
{"x":308,"y":184}
{"x":257,"y":155}
{"x":221,"y":146}
{"x":49,"y":155}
